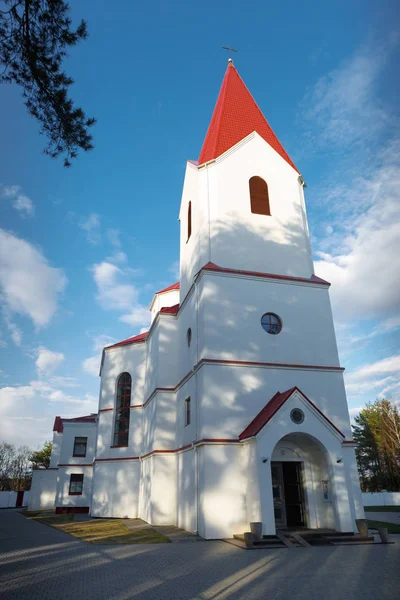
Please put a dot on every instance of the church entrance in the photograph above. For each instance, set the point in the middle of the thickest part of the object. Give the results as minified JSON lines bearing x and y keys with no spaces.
{"x":287,"y":489}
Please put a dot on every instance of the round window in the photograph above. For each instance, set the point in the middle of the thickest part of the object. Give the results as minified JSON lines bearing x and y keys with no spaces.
{"x":271,"y":323}
{"x":189,"y":337}
{"x":297,"y":416}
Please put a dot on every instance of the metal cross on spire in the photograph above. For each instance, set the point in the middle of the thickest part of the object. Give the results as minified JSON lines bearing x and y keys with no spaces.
{"x":229,"y":49}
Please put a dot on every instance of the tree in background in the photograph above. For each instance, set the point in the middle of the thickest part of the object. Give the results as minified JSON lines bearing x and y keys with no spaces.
{"x":15,"y":467}
{"x":377,"y":433}
{"x":41,"y":458}
{"x":34,"y":37}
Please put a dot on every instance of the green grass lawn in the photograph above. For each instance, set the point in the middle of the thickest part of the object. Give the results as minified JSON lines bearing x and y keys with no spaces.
{"x":382,"y":508}
{"x":391,"y":527}
{"x":98,"y":531}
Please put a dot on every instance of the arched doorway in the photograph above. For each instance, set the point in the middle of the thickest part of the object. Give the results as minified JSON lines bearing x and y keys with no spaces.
{"x":301,"y":488}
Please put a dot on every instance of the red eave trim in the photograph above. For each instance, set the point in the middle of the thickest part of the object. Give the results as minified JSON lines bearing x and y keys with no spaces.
{"x":268,"y":364}
{"x":137,"y":339}
{"x":76,"y":465}
{"x":313,"y":279}
{"x":174,"y":286}
{"x":259,"y":421}
{"x":122,"y":458}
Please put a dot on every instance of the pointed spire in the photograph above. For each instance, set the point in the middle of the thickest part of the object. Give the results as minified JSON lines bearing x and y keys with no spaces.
{"x":235,"y":116}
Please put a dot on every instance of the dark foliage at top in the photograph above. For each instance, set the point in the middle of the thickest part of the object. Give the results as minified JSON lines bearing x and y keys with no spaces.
{"x":34,"y":37}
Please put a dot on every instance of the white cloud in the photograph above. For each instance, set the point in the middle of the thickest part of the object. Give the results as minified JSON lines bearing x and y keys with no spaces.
{"x":364,"y":271}
{"x":91,"y":365}
{"x":27,"y":412}
{"x":15,"y":331}
{"x":342,"y":103}
{"x":139,"y":315}
{"x":91,"y":225}
{"x":48,"y":360}
{"x":112,"y":293}
{"x":117,"y":257}
{"x":391,"y":364}
{"x":113,"y":237}
{"x":380,"y":378}
{"x":30,"y":286}
{"x":21,"y":202}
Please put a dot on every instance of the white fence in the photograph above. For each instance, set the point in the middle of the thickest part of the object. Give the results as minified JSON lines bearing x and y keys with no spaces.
{"x":381,"y":498}
{"x":9,"y":499}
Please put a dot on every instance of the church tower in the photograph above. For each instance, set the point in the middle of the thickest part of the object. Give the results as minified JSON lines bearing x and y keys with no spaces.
{"x":243,"y":204}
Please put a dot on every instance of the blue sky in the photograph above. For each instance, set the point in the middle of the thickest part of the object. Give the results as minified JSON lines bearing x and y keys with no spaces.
{"x":83,"y":250}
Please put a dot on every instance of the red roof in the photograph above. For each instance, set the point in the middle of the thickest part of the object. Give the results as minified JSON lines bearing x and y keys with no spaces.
{"x":59,"y":421}
{"x":271,"y":408}
{"x":141,"y":337}
{"x":170,"y":310}
{"x":210,"y":266}
{"x":174,"y":286}
{"x":235,"y":116}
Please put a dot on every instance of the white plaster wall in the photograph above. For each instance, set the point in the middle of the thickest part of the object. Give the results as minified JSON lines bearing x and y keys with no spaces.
{"x":195,"y":252}
{"x":163,"y":300}
{"x":230,"y":397}
{"x":62,"y":494}
{"x":186,"y":494}
{"x":187,"y":318}
{"x":56,"y":449}
{"x":130,"y":359}
{"x":231,"y":309}
{"x":381,"y":498}
{"x":225,"y":231}
{"x":222,"y":500}
{"x":43,"y":489}
{"x":315,"y":426}
{"x":9,"y":499}
{"x":319,"y":512}
{"x":241,"y":240}
{"x":163,"y":501}
{"x":116,"y":489}
{"x":71,"y":431}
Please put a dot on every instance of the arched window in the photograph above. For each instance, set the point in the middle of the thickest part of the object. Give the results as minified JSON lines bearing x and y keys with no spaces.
{"x":259,"y":198}
{"x":122,"y":412}
{"x":189,"y":222}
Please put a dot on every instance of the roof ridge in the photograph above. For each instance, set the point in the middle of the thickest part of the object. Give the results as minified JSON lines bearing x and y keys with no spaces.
{"x":236,"y":114}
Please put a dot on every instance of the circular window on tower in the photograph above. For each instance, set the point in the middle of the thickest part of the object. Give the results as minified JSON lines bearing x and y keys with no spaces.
{"x":271,"y":323}
{"x":189,"y":337}
{"x":297,"y":416}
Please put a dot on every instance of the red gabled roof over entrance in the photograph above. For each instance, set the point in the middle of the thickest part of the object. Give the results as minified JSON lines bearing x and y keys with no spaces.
{"x":235,"y":116}
{"x":272,"y":408}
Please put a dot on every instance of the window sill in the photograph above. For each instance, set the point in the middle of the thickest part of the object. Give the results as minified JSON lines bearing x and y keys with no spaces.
{"x":75,"y":494}
{"x":124,"y":446}
{"x":79,"y":455}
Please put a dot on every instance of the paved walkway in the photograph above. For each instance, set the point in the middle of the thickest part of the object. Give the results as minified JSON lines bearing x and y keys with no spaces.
{"x":38,"y":562}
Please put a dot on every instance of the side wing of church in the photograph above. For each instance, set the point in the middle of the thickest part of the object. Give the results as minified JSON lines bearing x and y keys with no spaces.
{"x":232,"y":407}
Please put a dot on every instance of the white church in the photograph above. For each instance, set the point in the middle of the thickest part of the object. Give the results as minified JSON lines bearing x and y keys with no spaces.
{"x":231,"y":408}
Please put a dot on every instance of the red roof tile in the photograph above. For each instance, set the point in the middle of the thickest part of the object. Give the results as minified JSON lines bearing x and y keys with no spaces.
{"x":170,"y":310}
{"x":271,"y":408}
{"x":235,"y":116}
{"x":59,"y":421}
{"x":174,"y":286}
{"x":58,"y":425}
{"x":133,"y":340}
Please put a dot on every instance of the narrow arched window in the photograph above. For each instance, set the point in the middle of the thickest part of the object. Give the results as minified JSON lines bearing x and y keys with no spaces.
{"x":189,"y":223}
{"x":122,"y":410}
{"x":259,"y":198}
